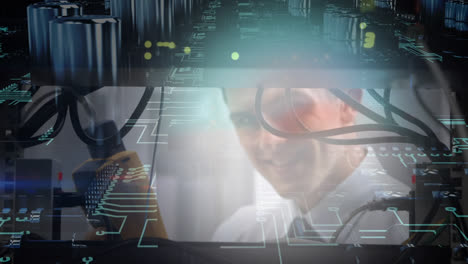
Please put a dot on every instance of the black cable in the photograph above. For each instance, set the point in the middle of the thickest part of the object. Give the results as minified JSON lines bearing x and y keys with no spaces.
{"x":319,"y":135}
{"x":111,"y":228}
{"x":36,"y":121}
{"x":427,"y":219}
{"x":435,"y":207}
{"x":421,"y":140}
{"x":440,"y":230}
{"x":358,"y":128}
{"x":388,"y":112}
{"x":374,"y":140}
{"x":432,"y":213}
{"x":379,"y":205}
{"x":61,"y":117}
{"x":33,"y":90}
{"x":66,"y":100}
{"x":287,"y":93}
{"x":358,"y":106}
{"x":444,"y":84}
{"x":75,"y":120}
{"x":377,"y":118}
{"x":429,"y":113}
{"x":462,"y":222}
{"x":418,"y":236}
{"x":31,"y":127}
{"x":430,"y":133}
{"x":36,"y":103}
{"x":345,"y":223}
{"x":4,"y":250}
{"x":403,"y":114}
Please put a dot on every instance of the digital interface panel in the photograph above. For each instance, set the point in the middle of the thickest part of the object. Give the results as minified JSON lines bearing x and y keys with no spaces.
{"x":233,"y":131}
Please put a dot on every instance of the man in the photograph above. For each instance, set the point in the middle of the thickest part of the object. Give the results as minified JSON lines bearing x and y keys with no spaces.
{"x":320,"y":185}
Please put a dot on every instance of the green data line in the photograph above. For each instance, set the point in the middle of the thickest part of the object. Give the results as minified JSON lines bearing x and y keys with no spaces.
{"x":142,"y":194}
{"x":15,"y":233}
{"x":4,"y":220}
{"x":454,"y":211}
{"x":301,"y":244}
{"x":393,"y":209}
{"x":394,"y":212}
{"x":102,"y":233}
{"x":126,"y":198}
{"x":127,"y":211}
{"x":142,"y":234}
{"x":424,"y":231}
{"x":127,"y":205}
{"x":461,"y":232}
{"x":277,"y":240}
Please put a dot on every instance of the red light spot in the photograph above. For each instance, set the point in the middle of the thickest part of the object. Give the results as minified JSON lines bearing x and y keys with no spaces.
{"x":413,"y":179}
{"x":60,"y":176}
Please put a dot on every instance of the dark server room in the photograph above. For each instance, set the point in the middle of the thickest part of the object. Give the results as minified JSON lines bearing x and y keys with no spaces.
{"x":234,"y":131}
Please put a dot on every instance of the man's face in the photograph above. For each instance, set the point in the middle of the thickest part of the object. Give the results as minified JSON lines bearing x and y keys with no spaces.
{"x":290,"y":165}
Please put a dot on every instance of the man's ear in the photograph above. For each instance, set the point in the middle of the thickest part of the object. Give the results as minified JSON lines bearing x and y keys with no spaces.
{"x":348,"y":114}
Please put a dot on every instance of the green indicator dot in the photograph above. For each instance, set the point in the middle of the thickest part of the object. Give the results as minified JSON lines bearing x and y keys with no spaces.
{"x":363,"y":25}
{"x":235,"y":55}
{"x":450,"y":209}
{"x":187,"y":50}
{"x":148,"y":56}
{"x":5,"y":259}
{"x":148,"y":44}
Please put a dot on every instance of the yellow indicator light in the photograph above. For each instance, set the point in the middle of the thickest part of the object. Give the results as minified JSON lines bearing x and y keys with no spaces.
{"x":235,"y":55}
{"x":369,"y":41}
{"x":148,"y":56}
{"x":170,"y":45}
{"x":148,"y":44}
